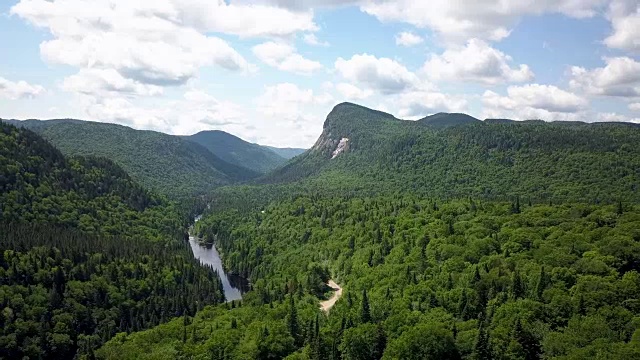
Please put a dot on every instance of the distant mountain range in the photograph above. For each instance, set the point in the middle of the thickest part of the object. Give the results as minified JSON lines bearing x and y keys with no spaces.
{"x":287,"y":153}
{"x":368,"y":150}
{"x":234,"y":150}
{"x":173,"y":165}
{"x":451,"y":155}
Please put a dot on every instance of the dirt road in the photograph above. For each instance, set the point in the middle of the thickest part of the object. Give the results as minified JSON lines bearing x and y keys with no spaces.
{"x":328,"y":304}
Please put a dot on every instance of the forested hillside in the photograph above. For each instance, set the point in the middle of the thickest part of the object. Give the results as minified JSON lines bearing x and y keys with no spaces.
{"x":451,"y":240}
{"x":234,"y":150}
{"x":546,"y":161}
{"x":164,"y":163}
{"x":423,"y":279}
{"x":286,"y":153}
{"x":85,"y":253}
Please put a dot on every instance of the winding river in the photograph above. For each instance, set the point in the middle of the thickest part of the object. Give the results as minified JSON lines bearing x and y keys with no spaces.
{"x":233,"y":286}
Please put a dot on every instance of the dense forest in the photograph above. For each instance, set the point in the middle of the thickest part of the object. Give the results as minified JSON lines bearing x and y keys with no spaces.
{"x":166,"y":164}
{"x":234,"y":150}
{"x":451,"y":238}
{"x":86,"y":252}
{"x":423,"y":280}
{"x":548,"y":161}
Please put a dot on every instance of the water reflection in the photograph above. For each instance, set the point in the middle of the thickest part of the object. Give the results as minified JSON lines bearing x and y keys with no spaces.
{"x":233,"y":285}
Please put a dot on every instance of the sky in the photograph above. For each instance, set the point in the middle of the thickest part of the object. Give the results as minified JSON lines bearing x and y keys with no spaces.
{"x":270,"y":71}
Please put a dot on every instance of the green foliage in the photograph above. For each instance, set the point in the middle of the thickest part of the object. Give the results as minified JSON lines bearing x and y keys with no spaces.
{"x":168,"y":164}
{"x":86,"y":253}
{"x":445,"y":120}
{"x":234,"y":150}
{"x":287,"y":153}
{"x":543,"y":161}
{"x":441,"y":281}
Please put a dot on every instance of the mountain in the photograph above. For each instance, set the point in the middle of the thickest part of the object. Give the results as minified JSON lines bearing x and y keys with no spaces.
{"x":234,"y":150}
{"x":444,"y":120}
{"x":370,"y":151}
{"x":286,"y":153}
{"x":165,"y":163}
{"x":88,"y":251}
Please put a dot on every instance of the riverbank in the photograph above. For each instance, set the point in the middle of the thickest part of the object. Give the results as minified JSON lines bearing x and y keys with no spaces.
{"x":233,"y":286}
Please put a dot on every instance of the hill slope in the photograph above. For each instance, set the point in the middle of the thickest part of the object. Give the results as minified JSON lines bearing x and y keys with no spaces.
{"x":165,"y":163}
{"x":444,"y":120}
{"x":234,"y":150}
{"x":286,"y":153}
{"x":85,"y":253}
{"x":588,"y":162}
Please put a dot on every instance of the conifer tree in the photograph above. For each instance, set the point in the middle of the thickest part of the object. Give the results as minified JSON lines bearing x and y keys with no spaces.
{"x":365,"y":311}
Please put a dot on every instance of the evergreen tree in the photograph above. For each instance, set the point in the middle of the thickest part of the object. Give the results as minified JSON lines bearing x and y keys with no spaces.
{"x":530,"y":346}
{"x":517,"y":287}
{"x":365,"y":311}
{"x":542,"y":283}
{"x":292,"y":321}
{"x":481,"y":349}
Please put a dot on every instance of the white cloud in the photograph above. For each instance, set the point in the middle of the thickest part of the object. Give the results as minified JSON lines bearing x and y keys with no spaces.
{"x":610,"y":117}
{"x":459,"y":20}
{"x":543,"y":102}
{"x":535,"y":97}
{"x":619,"y":77}
{"x":625,"y":20}
{"x":159,"y":43}
{"x":475,"y":62}
{"x":382,"y":74}
{"x":408,"y":39}
{"x":245,"y":20}
{"x":417,"y":104}
{"x":18,"y":90}
{"x":352,"y":92}
{"x":196,"y":111}
{"x":634,"y":106}
{"x":107,"y":82}
{"x":312,"y":39}
{"x":284,"y":99}
{"x":250,"y":20}
{"x":284,"y":57}
{"x":288,"y":109}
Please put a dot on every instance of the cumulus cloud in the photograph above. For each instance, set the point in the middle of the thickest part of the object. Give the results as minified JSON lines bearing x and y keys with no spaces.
{"x":416,"y":104}
{"x":408,"y":39}
{"x":620,"y":77}
{"x":312,"y":39}
{"x":381,"y":74}
{"x":18,"y":90}
{"x":475,"y":62}
{"x":195,"y":111}
{"x":352,"y":92}
{"x":147,"y":42}
{"x":137,"y":47}
{"x":460,"y":20}
{"x":284,"y":57}
{"x":285,"y":99}
{"x":535,"y":96}
{"x":107,"y":82}
{"x":289,"y":109}
{"x":625,"y":20}
{"x":634,"y":106}
{"x":543,"y":102}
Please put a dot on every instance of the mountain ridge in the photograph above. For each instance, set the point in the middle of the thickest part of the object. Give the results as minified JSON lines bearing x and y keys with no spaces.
{"x":235,"y":150}
{"x":161,"y":162}
{"x":488,"y":159}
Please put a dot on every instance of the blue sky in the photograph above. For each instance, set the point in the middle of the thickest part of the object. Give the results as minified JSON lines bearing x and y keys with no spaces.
{"x":269,"y":71}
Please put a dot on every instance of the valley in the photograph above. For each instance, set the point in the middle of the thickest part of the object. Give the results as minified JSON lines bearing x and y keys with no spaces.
{"x":232,"y":286}
{"x":448,"y":237}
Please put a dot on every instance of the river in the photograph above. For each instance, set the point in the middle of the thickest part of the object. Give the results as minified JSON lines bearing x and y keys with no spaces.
{"x":233,"y":286}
